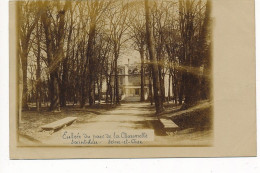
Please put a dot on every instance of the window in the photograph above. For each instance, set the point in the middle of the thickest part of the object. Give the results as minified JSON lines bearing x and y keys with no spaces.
{"x":136,"y":91}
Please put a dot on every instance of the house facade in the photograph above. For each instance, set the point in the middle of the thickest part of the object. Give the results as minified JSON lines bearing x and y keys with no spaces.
{"x":129,"y":76}
{"x":130,"y":82}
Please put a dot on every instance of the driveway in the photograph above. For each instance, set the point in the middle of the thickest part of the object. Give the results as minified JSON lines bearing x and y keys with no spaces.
{"x":135,"y":116}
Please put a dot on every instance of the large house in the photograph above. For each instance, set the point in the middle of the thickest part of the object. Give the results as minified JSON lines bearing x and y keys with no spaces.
{"x":130,"y":82}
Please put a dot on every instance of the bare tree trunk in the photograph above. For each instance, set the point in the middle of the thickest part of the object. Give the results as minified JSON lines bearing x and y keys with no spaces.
{"x":25,"y":30}
{"x":142,"y":74}
{"x":175,"y":87}
{"x":64,"y":85}
{"x":54,"y":51}
{"x":38,"y":72}
{"x":20,"y":90}
{"x":87,"y":76}
{"x":150,"y":89}
{"x":151,"y":48}
{"x":169,"y":88}
{"x":55,"y":95}
{"x":91,"y":65}
{"x":117,"y":101}
{"x":181,"y":89}
{"x":25,"y":89}
{"x":63,"y":88}
{"x":94,"y":90}
{"x":20,"y":69}
{"x":162,"y":87}
{"x":107,"y":90}
{"x":111,"y":92}
{"x":83,"y":89}
{"x":100,"y":88}
{"x":49,"y":47}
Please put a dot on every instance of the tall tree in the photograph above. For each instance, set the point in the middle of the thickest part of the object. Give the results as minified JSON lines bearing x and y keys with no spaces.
{"x":152,"y":54}
{"x":65,"y":70}
{"x":117,"y":29}
{"x":54,"y":40}
{"x":96,"y":9}
{"x":137,"y":34}
{"x":191,"y":16}
{"x":205,"y":53}
{"x":38,"y":64}
{"x":28,"y":18}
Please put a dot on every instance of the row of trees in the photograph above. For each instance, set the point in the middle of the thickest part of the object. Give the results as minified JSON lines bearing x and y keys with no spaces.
{"x":181,"y":45}
{"x":67,"y":49}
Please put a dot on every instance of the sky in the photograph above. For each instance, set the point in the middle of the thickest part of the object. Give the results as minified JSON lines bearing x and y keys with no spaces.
{"x":132,"y":55}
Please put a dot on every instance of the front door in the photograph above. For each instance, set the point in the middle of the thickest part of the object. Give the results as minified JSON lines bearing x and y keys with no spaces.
{"x":137,"y":92}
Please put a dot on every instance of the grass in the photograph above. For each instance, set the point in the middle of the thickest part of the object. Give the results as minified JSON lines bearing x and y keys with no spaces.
{"x":198,"y":116}
{"x":32,"y":120}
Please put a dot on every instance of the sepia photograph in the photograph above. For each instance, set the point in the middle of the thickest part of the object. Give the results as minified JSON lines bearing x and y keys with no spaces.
{"x":128,"y":79}
{"x":114,"y":73}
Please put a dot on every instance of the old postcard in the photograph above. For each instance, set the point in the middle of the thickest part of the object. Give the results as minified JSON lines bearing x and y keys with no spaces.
{"x":132,"y":78}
